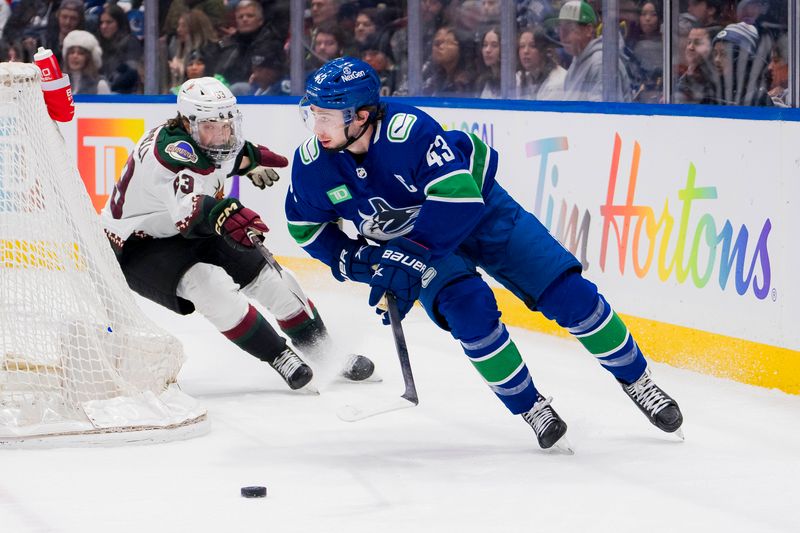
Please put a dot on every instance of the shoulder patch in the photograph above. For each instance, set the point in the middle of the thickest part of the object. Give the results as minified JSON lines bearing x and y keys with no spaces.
{"x":309,"y":150}
{"x":181,"y":151}
{"x":399,"y":127}
{"x":339,"y":194}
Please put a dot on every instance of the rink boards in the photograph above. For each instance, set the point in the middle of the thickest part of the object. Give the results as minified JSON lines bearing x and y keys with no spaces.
{"x":686,"y":223}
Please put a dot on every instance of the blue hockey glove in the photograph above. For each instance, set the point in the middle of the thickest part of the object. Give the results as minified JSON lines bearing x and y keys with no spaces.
{"x":357,"y":261}
{"x":402,"y":264}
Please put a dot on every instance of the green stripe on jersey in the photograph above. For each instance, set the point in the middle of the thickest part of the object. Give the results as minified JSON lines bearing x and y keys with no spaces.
{"x":500,"y":366}
{"x":457,"y":186}
{"x":479,"y":161}
{"x":607,"y":337}
{"x":304,"y":232}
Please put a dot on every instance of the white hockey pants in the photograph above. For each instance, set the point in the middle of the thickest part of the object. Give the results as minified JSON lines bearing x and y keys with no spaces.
{"x":218,"y":298}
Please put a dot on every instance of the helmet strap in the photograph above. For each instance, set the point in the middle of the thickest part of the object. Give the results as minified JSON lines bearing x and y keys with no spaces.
{"x":350,"y":138}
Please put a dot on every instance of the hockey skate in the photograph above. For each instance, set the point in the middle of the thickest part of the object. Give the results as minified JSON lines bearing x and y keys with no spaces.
{"x":359,"y":368}
{"x":292,"y":369}
{"x":548,"y":426}
{"x":657,"y":405}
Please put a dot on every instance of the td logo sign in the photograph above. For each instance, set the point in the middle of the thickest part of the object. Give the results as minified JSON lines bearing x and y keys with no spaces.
{"x":103,"y":148}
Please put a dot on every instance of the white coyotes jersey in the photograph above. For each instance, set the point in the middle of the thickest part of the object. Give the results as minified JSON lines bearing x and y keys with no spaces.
{"x":161,"y":189}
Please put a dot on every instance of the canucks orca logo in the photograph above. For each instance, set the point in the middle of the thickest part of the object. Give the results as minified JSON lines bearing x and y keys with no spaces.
{"x":181,"y":151}
{"x":387,"y":222}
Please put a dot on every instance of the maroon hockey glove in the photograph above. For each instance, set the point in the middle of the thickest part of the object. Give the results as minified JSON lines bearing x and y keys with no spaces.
{"x":231,"y":220}
{"x":267,"y":158}
{"x":262,"y":159}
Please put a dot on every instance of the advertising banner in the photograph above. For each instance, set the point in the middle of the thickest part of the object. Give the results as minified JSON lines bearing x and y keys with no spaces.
{"x":683,"y":221}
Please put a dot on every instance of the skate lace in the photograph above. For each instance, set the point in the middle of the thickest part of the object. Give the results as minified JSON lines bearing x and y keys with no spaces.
{"x":648,"y":395}
{"x":287,"y":363}
{"x":540,"y":416}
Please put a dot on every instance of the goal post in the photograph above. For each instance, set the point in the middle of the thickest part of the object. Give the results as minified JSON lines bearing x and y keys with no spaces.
{"x":80,"y":363}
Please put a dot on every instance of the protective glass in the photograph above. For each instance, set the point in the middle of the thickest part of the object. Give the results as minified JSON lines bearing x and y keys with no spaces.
{"x":324,"y":121}
{"x":220,"y":139}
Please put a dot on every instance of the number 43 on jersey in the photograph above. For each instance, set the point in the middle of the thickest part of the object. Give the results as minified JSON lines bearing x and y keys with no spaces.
{"x":439,"y":152}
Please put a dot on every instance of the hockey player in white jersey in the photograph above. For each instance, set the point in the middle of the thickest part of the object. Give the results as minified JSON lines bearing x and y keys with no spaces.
{"x":182,"y":244}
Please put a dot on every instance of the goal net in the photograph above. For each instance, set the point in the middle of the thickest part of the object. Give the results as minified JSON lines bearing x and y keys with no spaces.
{"x":79,"y":361}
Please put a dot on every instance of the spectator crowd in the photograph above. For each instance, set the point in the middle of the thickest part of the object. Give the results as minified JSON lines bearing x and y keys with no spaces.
{"x":726,"y":52}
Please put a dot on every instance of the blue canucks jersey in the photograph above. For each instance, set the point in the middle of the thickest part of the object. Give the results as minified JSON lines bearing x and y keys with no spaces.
{"x":416,"y":180}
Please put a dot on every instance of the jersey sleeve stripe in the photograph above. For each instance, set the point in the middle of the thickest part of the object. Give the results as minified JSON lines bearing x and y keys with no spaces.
{"x":304,"y":233}
{"x":476,"y":200}
{"x":479,"y":162}
{"x":458,"y":186}
{"x":435,"y":182}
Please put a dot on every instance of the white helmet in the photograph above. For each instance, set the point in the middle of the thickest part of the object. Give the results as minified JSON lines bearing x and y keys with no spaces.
{"x":206,"y":103}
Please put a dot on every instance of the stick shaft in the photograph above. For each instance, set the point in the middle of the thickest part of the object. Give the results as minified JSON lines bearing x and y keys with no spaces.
{"x":291,"y":282}
{"x":402,"y":350}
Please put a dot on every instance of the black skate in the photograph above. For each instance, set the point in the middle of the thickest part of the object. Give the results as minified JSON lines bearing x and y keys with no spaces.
{"x":292,"y":369}
{"x":358,"y":368}
{"x":547,"y":425}
{"x":659,"y":407}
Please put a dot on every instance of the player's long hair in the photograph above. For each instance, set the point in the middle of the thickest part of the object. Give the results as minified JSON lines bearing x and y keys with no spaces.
{"x":176,"y":123}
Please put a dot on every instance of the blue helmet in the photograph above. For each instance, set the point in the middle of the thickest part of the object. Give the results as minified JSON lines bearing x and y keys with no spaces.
{"x":344,"y":83}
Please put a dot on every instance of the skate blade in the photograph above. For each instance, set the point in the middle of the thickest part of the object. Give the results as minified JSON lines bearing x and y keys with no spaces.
{"x":679,"y":433}
{"x":561,"y":447}
{"x":309,"y":390}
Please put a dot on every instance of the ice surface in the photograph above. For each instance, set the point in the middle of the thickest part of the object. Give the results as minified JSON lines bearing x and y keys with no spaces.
{"x":457,"y":462}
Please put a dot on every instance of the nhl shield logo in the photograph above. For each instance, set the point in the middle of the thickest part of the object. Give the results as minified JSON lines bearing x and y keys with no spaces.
{"x":361,"y":172}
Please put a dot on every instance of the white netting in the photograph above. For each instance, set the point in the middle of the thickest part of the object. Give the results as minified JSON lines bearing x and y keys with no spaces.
{"x":77,"y":356}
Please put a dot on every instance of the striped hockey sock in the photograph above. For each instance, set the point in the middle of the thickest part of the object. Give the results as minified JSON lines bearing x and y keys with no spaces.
{"x":606,"y":337}
{"x":498,"y":361}
{"x":255,"y":336}
{"x":306,"y":332}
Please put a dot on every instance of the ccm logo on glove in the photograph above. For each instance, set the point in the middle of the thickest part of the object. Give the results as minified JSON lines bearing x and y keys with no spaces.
{"x":225,"y":212}
{"x":399,"y":257}
{"x":232,"y":221}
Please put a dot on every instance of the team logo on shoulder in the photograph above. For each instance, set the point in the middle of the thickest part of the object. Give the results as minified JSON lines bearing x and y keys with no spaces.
{"x":181,"y":151}
{"x":361,"y":172}
{"x":387,"y":222}
{"x":309,"y":150}
{"x":399,"y":127}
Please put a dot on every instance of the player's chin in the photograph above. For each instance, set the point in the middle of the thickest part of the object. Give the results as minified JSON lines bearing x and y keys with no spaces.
{"x":330,"y":145}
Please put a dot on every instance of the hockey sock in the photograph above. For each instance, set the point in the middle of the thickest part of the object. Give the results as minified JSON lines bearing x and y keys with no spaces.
{"x":470,"y":313}
{"x":606,"y":337}
{"x":573,"y":302}
{"x":305,"y":331}
{"x":497,"y":360}
{"x":256,"y":336}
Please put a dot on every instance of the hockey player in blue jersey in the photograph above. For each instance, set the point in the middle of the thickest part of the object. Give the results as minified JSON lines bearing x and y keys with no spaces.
{"x":429,"y":211}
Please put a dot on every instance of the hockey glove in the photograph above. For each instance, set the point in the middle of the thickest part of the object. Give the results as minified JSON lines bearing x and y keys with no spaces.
{"x":263,"y":177}
{"x":260,"y":170}
{"x":231,"y":220}
{"x":357,"y":261}
{"x":402,"y":264}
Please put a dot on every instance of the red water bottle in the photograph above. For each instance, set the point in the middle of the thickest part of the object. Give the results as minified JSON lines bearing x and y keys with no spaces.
{"x":55,"y":86}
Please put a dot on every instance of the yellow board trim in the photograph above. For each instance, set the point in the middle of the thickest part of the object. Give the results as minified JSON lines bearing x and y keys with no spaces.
{"x":717,"y":355}
{"x":47,"y":255}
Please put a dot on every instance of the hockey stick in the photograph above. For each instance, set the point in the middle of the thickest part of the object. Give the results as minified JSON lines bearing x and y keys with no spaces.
{"x":285,"y":275}
{"x":353,"y":413}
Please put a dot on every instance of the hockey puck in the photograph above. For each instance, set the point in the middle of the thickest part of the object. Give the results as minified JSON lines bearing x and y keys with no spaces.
{"x":254,"y":492}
